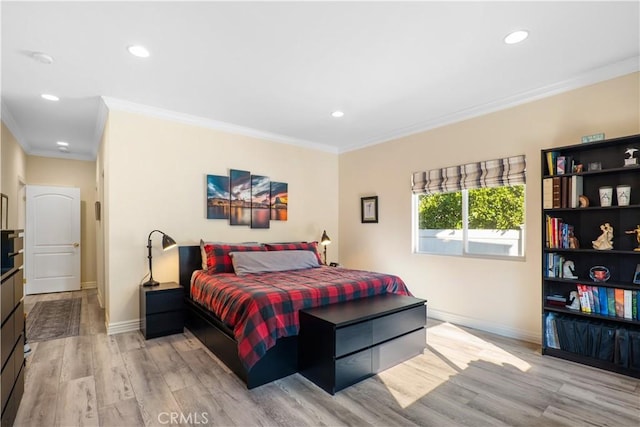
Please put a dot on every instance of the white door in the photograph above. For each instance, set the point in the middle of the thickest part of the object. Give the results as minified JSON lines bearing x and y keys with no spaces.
{"x":52,"y":235}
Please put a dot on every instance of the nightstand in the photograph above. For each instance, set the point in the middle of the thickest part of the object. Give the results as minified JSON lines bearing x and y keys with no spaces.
{"x":161,"y":310}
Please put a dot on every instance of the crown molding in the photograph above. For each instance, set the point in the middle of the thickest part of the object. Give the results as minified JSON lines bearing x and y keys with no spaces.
{"x":608,"y":72}
{"x":9,"y":121}
{"x":131,"y":107}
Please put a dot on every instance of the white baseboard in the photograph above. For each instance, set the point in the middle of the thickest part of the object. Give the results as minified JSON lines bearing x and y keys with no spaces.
{"x":483,"y":325}
{"x":121,"y":327}
{"x":88,"y":285}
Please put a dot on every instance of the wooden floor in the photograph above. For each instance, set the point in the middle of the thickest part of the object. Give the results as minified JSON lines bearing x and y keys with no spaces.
{"x":465,"y":377}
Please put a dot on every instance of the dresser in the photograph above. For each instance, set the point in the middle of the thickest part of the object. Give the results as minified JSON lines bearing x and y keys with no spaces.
{"x":344,"y":343}
{"x":12,"y":333}
{"x":161,"y":310}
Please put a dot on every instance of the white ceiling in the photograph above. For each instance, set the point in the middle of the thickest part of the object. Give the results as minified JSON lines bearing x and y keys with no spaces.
{"x":278,"y":70}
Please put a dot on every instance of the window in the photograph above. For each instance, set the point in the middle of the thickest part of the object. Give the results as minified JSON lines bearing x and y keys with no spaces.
{"x":475,"y":209}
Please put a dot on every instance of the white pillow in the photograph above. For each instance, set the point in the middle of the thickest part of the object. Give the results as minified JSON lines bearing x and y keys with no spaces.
{"x":259,"y":262}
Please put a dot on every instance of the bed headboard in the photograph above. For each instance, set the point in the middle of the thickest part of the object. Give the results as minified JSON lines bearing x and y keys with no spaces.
{"x":190,"y":260}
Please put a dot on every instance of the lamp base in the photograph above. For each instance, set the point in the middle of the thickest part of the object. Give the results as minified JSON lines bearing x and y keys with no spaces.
{"x":151,"y":283}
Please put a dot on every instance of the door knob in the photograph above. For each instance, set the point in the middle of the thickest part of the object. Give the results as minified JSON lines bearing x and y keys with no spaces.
{"x":76,"y":244}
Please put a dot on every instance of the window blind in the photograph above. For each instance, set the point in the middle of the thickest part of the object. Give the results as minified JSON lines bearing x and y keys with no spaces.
{"x":489,"y":173}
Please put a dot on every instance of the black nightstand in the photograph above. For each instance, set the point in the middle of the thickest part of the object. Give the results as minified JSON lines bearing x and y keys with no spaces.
{"x":161,"y":310}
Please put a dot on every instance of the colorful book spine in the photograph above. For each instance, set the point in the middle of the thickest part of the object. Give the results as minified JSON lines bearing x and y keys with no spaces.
{"x":634,"y":305}
{"x":583,"y":296}
{"x":619,"y":302}
{"x":604,"y":304}
{"x":628,"y":301}
{"x":596,"y":299}
{"x":611,"y":302}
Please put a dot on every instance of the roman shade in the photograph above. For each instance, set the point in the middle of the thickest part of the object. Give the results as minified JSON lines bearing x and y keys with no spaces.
{"x":490,"y":173}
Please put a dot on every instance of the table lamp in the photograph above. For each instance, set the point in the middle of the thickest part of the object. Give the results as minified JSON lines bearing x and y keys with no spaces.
{"x":167,"y":243}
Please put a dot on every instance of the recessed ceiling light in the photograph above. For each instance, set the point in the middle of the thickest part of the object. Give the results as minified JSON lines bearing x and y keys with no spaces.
{"x":62,"y":144}
{"x":516,"y":37}
{"x":337,"y":114}
{"x":49,"y":97}
{"x":139,"y":51}
{"x":42,"y":57}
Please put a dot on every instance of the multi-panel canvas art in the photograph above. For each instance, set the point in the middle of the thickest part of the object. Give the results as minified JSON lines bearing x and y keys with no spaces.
{"x":240,"y":193}
{"x":279,"y":200}
{"x":260,"y":199}
{"x":217,"y":197}
{"x":246,"y":199}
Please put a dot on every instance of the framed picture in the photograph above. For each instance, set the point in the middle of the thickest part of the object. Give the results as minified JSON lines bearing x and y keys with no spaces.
{"x":636,"y":275}
{"x":369,"y":209}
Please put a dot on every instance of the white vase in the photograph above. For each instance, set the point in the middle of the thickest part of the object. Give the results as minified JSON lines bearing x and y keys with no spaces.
{"x":624,"y":194}
{"x":606,"y":194}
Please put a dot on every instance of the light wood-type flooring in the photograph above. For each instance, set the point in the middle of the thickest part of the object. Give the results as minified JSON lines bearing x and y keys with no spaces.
{"x":464,"y":377}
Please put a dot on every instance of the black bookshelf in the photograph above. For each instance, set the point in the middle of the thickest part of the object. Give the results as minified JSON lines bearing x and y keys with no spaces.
{"x":605,"y":341}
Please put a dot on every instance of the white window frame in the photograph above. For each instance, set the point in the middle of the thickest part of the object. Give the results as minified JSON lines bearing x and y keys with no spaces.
{"x":415,"y":241}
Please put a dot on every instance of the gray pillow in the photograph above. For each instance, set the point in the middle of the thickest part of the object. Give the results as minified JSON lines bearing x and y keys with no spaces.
{"x":259,"y":262}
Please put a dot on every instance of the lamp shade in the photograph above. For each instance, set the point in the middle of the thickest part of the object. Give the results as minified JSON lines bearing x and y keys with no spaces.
{"x":325,"y":240}
{"x":167,"y":242}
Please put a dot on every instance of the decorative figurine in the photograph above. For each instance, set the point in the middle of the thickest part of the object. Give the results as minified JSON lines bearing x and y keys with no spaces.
{"x":583,"y":201}
{"x":605,"y":240}
{"x":569,"y":270}
{"x":636,"y":231}
{"x":573,"y":240}
{"x":574,"y":301}
{"x":630,"y":160}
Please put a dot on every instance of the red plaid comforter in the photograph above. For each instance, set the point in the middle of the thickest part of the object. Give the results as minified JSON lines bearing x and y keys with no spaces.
{"x":262,"y":307}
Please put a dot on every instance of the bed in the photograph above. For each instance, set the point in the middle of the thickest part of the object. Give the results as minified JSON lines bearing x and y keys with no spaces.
{"x":259,"y":358}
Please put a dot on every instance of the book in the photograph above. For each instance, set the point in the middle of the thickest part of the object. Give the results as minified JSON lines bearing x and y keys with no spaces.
{"x":547,"y":193}
{"x":551,"y":162}
{"x":577,"y":188}
{"x":584,"y":299}
{"x":611,"y":302}
{"x":556,"y":192}
{"x":628,"y":301}
{"x":596,"y":299}
{"x":634,"y":305}
{"x":589,"y":291}
{"x":564,"y":191}
{"x":561,"y":165}
{"x":604,"y":305}
{"x":619,"y":293}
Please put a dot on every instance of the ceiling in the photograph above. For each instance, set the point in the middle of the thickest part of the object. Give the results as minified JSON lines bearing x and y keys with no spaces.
{"x":278,"y":70}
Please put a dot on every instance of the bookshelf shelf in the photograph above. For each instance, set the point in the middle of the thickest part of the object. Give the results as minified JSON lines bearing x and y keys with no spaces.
{"x":591,"y":315}
{"x":594,"y":251}
{"x":568,"y":333}
{"x":590,"y":209}
{"x":607,"y":284}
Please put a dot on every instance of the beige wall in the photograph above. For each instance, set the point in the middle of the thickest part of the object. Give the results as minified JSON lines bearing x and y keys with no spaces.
{"x":73,"y":173}
{"x":14,"y":165}
{"x":496,"y":295}
{"x":100,"y":225}
{"x":155,"y":172}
